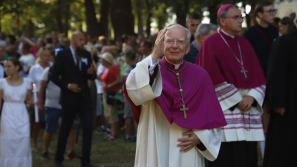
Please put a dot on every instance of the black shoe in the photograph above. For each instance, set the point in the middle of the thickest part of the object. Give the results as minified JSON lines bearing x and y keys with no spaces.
{"x":73,"y":156}
{"x":59,"y":164}
{"x":45,"y":156}
{"x":88,"y":165}
{"x":130,"y":140}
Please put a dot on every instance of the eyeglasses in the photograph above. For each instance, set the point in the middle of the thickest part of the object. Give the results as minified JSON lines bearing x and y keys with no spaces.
{"x":272,"y":11}
{"x":178,"y":42}
{"x":236,"y":18}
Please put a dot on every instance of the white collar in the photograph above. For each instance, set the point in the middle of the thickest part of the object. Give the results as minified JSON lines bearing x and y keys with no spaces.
{"x":228,"y":34}
{"x":176,"y":66}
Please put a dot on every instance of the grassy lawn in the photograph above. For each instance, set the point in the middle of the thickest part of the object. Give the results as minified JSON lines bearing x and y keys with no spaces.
{"x":104,"y":154}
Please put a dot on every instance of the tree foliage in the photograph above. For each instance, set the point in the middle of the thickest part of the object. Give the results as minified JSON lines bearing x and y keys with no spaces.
{"x":100,"y":17}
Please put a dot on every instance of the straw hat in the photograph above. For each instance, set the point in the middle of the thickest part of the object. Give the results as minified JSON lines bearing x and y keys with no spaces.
{"x":107,"y":57}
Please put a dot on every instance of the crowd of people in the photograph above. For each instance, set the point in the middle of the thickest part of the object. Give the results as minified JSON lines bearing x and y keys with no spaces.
{"x":80,"y":80}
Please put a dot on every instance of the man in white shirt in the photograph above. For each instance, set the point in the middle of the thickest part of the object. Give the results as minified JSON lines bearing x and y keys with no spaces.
{"x":27,"y":59}
{"x":52,"y":114}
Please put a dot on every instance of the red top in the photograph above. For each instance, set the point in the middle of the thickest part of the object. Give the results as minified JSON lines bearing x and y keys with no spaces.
{"x":109,"y":76}
{"x":218,"y":60}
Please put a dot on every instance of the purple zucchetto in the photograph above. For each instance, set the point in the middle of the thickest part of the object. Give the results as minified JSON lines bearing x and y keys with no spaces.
{"x":223,"y":7}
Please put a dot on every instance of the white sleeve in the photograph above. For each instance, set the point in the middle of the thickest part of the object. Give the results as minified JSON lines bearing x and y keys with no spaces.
{"x":1,"y":83}
{"x":258,"y":94}
{"x":211,"y":139}
{"x":100,"y":69}
{"x":30,"y":75}
{"x":28,"y":83}
{"x":228,"y":95}
{"x":137,"y":84}
{"x":44,"y":75}
{"x":31,"y":61}
{"x":151,"y":65}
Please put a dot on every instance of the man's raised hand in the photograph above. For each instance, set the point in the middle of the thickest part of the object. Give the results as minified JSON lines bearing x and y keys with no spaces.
{"x":188,"y":143}
{"x":158,"y":50}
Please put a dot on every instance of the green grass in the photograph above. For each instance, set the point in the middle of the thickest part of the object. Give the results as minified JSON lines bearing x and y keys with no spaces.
{"x":116,"y":153}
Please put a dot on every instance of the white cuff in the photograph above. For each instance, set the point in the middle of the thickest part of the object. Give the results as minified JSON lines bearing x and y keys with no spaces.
{"x":151,"y":65}
{"x":69,"y":86}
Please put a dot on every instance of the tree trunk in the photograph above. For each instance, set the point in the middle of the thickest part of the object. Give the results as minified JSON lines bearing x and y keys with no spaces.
{"x":139,"y":17}
{"x":253,"y":5}
{"x":59,"y":16}
{"x":66,"y":21}
{"x":213,"y":11}
{"x":161,"y":22}
{"x":1,"y":4}
{"x":121,"y":17}
{"x":148,"y":19}
{"x":104,"y":11}
{"x":30,"y":28}
{"x":182,"y":9}
{"x":92,"y":24}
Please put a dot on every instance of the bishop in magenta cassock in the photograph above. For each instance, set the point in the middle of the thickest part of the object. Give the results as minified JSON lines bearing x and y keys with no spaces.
{"x":239,"y":84}
{"x":175,"y":105}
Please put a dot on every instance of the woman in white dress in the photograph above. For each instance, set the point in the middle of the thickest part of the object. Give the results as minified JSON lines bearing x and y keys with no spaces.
{"x":15,"y":149}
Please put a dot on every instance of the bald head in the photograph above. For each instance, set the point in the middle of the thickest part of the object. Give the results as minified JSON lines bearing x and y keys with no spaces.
{"x":77,"y":40}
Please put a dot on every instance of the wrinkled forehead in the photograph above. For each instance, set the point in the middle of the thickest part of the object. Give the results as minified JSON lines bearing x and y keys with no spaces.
{"x":176,"y":33}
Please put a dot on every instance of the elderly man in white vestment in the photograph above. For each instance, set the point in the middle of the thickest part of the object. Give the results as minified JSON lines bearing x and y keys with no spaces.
{"x":175,"y":104}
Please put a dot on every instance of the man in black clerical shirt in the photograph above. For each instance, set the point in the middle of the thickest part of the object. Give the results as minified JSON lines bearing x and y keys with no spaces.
{"x":263,"y":33}
{"x":262,"y":36}
{"x":281,"y":92}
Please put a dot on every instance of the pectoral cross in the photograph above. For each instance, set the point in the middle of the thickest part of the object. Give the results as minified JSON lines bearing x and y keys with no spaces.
{"x":244,"y":71}
{"x":184,"y":109}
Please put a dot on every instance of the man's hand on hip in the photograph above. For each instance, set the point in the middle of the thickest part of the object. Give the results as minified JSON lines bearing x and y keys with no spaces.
{"x":74,"y":88}
{"x":188,"y":143}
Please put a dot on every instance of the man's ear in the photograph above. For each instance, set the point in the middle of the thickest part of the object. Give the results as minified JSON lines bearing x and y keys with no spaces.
{"x":222,"y":21}
{"x":259,"y":15}
{"x":187,"y":25}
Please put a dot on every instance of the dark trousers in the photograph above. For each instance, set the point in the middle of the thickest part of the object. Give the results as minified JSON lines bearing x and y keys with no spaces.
{"x":69,"y":112}
{"x":236,"y":154}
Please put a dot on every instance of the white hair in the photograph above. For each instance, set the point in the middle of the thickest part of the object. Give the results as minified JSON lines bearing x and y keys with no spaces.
{"x":186,"y":30}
